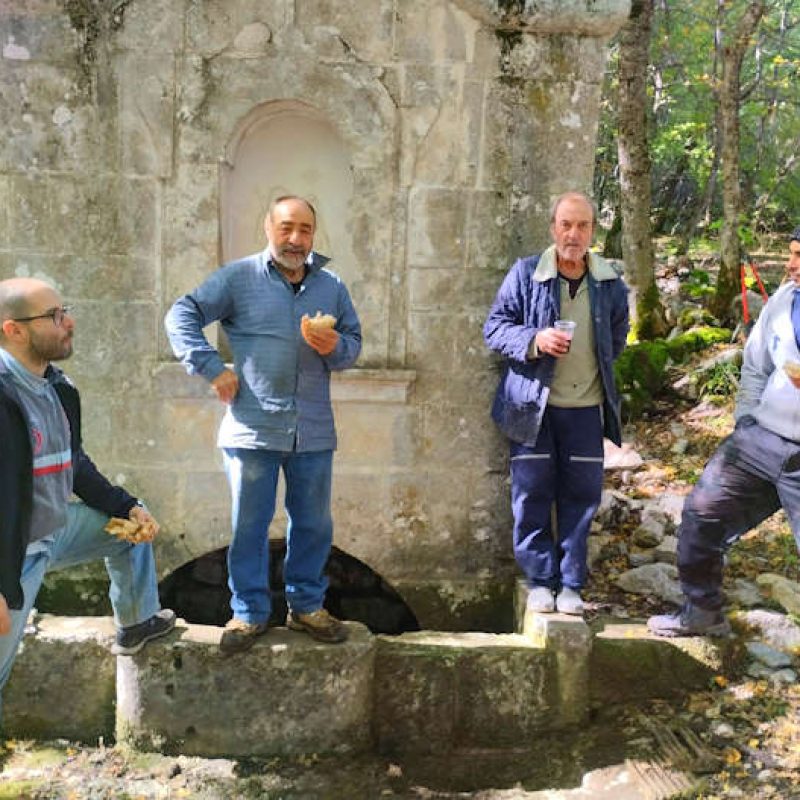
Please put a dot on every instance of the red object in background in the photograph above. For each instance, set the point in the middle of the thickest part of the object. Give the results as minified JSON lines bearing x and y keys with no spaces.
{"x":743,"y":280}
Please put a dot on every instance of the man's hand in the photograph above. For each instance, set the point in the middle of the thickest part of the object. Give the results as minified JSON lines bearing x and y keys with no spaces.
{"x":5,"y":617}
{"x":553,"y":342}
{"x":226,"y":386}
{"x":323,"y":340}
{"x":148,"y":527}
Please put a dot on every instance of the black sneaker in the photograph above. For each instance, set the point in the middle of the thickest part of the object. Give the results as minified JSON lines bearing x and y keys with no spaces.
{"x":690,"y":620}
{"x":132,"y":639}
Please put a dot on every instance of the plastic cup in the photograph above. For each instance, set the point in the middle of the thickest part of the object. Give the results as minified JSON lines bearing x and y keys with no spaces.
{"x":566,"y":326}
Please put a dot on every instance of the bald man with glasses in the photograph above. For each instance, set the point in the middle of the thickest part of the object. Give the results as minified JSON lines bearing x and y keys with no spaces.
{"x":42,"y":464}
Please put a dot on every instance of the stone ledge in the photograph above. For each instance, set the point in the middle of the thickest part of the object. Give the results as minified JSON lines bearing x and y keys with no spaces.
{"x":288,"y":694}
{"x":600,"y":18}
{"x":629,"y":664}
{"x":349,"y":386}
{"x":428,"y":692}
{"x":62,"y":684}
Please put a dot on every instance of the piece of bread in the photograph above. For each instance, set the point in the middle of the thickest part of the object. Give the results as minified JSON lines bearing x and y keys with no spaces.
{"x":320,"y":320}
{"x":792,"y":369}
{"x":125,"y":529}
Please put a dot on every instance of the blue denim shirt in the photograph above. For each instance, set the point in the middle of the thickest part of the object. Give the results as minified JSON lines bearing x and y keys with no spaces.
{"x":528,"y":301}
{"x":284,"y":385}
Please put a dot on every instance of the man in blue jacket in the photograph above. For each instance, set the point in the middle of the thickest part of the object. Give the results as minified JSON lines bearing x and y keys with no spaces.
{"x":754,"y":472}
{"x":42,"y":462}
{"x":279,"y":414}
{"x":556,"y":398}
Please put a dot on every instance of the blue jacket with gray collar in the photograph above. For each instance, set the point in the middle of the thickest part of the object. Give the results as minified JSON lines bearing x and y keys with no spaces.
{"x":528,"y":301}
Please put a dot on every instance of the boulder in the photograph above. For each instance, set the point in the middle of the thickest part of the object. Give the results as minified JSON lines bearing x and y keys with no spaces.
{"x":667,"y":550}
{"x":782,"y":590}
{"x":776,"y":629}
{"x":769,"y":656}
{"x":660,"y":580}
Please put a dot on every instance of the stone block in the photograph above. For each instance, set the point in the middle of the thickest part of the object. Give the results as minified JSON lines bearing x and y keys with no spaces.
{"x":436,"y":32}
{"x":363,"y":27}
{"x":287,"y":695}
{"x":381,"y":436}
{"x":62,"y":684}
{"x":108,"y":215}
{"x":569,"y":639}
{"x":170,"y":381}
{"x":157,"y":28}
{"x":114,"y":350}
{"x":168,"y":433}
{"x":435,"y":692}
{"x":47,"y":124}
{"x":489,"y":237}
{"x":146,"y":111}
{"x":436,"y":228}
{"x":29,"y":212}
{"x":628,"y":664}
{"x":450,"y":435}
{"x":430,"y":341}
{"x":443,"y":290}
{"x":212,"y":27}
{"x":36,"y":30}
{"x":441,"y":126}
{"x":5,"y":183}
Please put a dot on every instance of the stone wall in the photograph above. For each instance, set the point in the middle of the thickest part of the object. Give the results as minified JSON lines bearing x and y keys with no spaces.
{"x":432,"y":135}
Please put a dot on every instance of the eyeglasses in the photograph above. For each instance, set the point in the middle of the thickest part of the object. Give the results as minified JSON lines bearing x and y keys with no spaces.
{"x":55,"y":314}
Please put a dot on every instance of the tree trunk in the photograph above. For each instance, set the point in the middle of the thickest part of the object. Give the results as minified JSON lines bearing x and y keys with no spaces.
{"x":734,"y":47}
{"x":634,"y":168}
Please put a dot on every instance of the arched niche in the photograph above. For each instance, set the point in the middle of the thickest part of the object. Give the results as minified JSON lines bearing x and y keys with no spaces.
{"x":286,"y":147}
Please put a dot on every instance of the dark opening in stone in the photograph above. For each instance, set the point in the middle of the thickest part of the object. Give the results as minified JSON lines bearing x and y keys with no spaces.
{"x":198,"y":592}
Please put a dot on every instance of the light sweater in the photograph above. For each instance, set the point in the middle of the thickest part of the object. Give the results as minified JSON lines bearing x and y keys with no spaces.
{"x":765,"y":390}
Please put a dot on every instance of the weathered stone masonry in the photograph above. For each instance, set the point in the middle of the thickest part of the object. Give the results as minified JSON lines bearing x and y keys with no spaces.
{"x":142,"y":141}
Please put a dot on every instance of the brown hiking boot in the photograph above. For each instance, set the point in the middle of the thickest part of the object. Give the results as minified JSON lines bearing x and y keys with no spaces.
{"x":240,"y":636}
{"x":319,"y":624}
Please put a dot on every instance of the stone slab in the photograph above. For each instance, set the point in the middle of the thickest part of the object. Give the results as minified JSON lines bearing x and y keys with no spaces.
{"x":63,"y":681}
{"x":628,"y":664}
{"x":287,"y":695}
{"x":435,"y":691}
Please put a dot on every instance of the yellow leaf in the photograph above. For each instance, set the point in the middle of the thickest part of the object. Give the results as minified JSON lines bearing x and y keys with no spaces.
{"x":732,"y":755}
{"x":721,"y":681}
{"x":753,"y":743}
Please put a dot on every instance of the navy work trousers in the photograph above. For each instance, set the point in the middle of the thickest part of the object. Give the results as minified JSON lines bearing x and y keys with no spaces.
{"x":565,"y":468}
{"x":753,"y":473}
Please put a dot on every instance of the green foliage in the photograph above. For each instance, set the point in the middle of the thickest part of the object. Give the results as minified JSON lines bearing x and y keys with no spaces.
{"x":695,"y":340}
{"x":640,"y":374}
{"x":642,"y":368}
{"x":698,"y":284}
{"x":720,"y":382}
{"x":684,"y":77}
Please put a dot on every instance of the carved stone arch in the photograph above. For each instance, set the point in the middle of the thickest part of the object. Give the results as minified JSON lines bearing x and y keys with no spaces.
{"x":284,"y":147}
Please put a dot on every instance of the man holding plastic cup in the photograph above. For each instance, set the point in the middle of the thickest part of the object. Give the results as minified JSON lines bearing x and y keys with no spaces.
{"x":560,"y":319}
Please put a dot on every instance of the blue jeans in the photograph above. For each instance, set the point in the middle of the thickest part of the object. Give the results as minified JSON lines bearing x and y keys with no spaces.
{"x":565,"y":470}
{"x":253,"y":478}
{"x":753,"y":473}
{"x":131,"y":568}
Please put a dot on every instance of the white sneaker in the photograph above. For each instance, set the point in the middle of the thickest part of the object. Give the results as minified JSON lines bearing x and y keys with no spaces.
{"x":569,"y":601}
{"x":541,"y":600}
